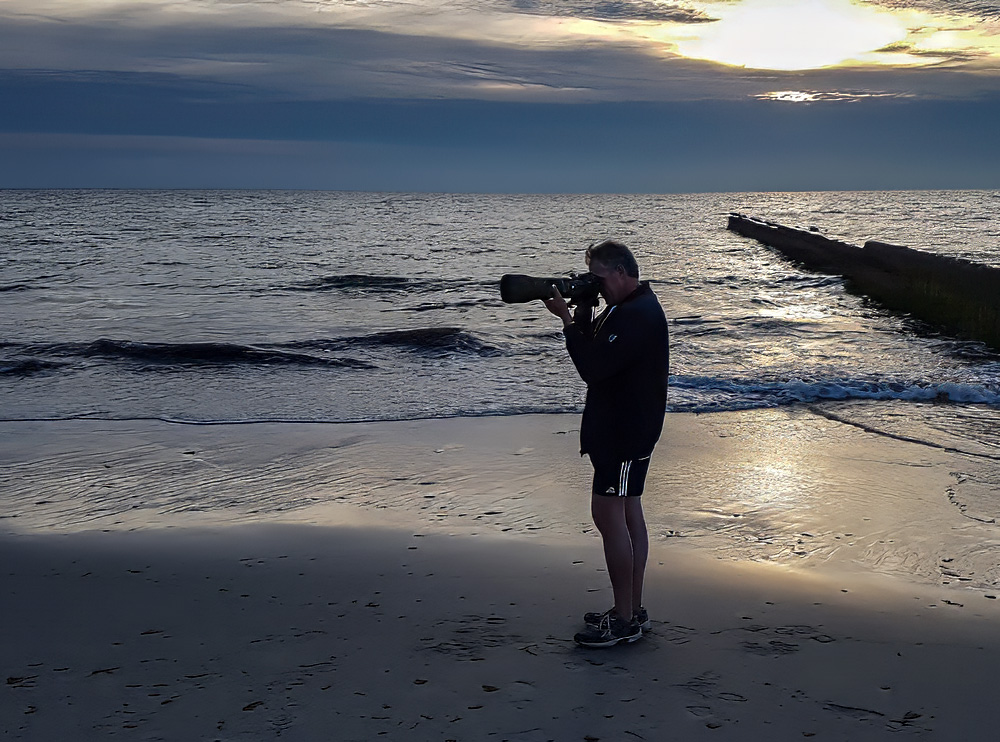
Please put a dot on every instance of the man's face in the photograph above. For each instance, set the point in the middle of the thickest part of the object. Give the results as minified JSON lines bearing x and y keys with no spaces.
{"x":615,"y":285}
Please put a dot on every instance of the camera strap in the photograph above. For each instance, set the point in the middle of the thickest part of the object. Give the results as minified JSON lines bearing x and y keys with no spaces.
{"x":603,"y":318}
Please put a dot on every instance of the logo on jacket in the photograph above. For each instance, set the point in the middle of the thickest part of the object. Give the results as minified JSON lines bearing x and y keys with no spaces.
{"x":611,"y":338}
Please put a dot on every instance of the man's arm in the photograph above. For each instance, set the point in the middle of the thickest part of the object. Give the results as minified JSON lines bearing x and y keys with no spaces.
{"x":558,"y":306}
{"x":582,"y":315}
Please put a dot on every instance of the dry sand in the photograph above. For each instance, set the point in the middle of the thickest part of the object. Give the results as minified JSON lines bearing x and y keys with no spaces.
{"x":424,"y":580}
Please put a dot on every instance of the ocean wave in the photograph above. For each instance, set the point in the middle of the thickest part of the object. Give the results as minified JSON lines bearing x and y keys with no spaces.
{"x":364,"y":283}
{"x":37,"y":358}
{"x":810,"y":280}
{"x":426,"y":340}
{"x":436,"y":339}
{"x":190,"y":354}
{"x":709,"y":393}
{"x":26,"y":366}
{"x":442,"y":305}
{"x":358,"y":282}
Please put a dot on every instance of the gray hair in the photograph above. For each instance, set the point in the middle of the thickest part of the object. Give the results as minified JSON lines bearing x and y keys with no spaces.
{"x":611,"y":254}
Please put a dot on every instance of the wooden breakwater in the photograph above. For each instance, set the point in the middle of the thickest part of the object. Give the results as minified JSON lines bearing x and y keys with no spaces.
{"x":957,"y":295}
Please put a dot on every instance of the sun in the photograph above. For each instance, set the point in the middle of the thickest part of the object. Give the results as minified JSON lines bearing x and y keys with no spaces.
{"x":792,"y":34}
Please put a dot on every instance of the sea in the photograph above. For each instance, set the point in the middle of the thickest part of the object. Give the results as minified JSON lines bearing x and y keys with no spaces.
{"x":207,"y":307}
{"x":233,"y":306}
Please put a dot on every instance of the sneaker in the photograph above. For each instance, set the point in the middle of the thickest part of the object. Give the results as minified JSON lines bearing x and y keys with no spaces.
{"x":641,"y":616}
{"x":610,"y":631}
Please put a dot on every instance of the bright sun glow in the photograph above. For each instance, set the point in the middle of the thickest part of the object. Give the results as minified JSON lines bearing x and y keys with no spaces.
{"x":793,"y":34}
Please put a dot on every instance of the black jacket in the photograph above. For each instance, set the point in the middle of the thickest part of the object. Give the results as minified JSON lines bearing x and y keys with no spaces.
{"x":624,"y":358}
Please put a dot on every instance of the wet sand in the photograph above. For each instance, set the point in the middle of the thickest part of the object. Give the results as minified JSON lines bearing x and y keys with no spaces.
{"x":423,"y":580}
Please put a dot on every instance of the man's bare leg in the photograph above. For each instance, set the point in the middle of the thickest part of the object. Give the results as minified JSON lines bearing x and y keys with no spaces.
{"x":609,"y":517}
{"x":635,"y":520}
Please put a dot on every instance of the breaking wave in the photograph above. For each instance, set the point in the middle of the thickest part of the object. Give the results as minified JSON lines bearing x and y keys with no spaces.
{"x":713,"y":394}
{"x":428,"y":340}
{"x":26,"y":360}
{"x":183,"y":354}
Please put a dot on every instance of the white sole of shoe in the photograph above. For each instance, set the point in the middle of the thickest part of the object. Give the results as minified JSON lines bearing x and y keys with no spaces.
{"x":610,"y":642}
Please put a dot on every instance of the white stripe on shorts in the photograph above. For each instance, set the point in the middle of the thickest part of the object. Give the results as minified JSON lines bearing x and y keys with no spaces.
{"x":623,"y":479}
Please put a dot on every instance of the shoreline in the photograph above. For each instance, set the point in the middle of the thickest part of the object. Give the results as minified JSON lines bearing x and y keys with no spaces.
{"x":796,"y":487}
{"x":424,"y":580}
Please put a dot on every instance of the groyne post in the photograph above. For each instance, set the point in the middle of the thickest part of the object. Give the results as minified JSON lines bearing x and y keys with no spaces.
{"x":954,"y":294}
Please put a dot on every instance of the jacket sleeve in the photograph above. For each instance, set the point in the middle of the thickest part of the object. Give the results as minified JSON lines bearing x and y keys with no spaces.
{"x":615,"y":349}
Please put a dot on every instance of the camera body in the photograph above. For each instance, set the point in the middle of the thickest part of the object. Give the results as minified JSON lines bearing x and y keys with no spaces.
{"x":518,"y":289}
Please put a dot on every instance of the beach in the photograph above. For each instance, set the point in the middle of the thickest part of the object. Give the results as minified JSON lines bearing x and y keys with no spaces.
{"x":423,"y":580}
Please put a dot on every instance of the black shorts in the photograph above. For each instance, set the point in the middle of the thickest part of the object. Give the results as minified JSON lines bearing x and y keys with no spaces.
{"x":619,"y":478}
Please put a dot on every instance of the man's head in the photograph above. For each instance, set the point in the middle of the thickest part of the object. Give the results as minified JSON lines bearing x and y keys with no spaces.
{"x":615,"y":265}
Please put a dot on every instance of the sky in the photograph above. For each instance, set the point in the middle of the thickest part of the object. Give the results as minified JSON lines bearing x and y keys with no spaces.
{"x":525,"y":96}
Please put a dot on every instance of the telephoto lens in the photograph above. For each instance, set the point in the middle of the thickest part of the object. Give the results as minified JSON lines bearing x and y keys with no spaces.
{"x":518,"y":289}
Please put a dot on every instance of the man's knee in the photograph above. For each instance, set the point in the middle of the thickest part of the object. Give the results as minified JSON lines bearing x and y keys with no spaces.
{"x":634,"y":516}
{"x":608,"y":512}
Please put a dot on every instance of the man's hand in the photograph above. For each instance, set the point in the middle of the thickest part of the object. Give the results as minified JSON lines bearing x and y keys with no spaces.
{"x":583,"y":314}
{"x":558,"y":306}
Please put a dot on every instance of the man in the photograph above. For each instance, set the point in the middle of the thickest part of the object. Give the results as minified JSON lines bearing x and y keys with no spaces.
{"x":622,"y":355}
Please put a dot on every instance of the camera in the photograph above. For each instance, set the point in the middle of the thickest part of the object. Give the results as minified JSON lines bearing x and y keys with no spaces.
{"x":517,"y":289}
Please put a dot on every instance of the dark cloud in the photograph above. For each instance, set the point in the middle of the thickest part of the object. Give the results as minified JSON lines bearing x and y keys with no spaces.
{"x":609,"y":10}
{"x":331,"y":63}
{"x":972,"y":8}
{"x":288,"y":64}
{"x":518,"y":147}
{"x":181,"y":103}
{"x":943,"y":56}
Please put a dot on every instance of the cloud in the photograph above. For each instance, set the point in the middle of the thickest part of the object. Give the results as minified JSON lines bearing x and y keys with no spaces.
{"x":521,"y":147}
{"x":610,"y":10}
{"x":819,"y":96}
{"x":934,"y":56}
{"x":794,"y":34}
{"x":955,"y":8}
{"x":324,"y":63}
{"x":516,"y":95}
{"x":277,"y":58}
